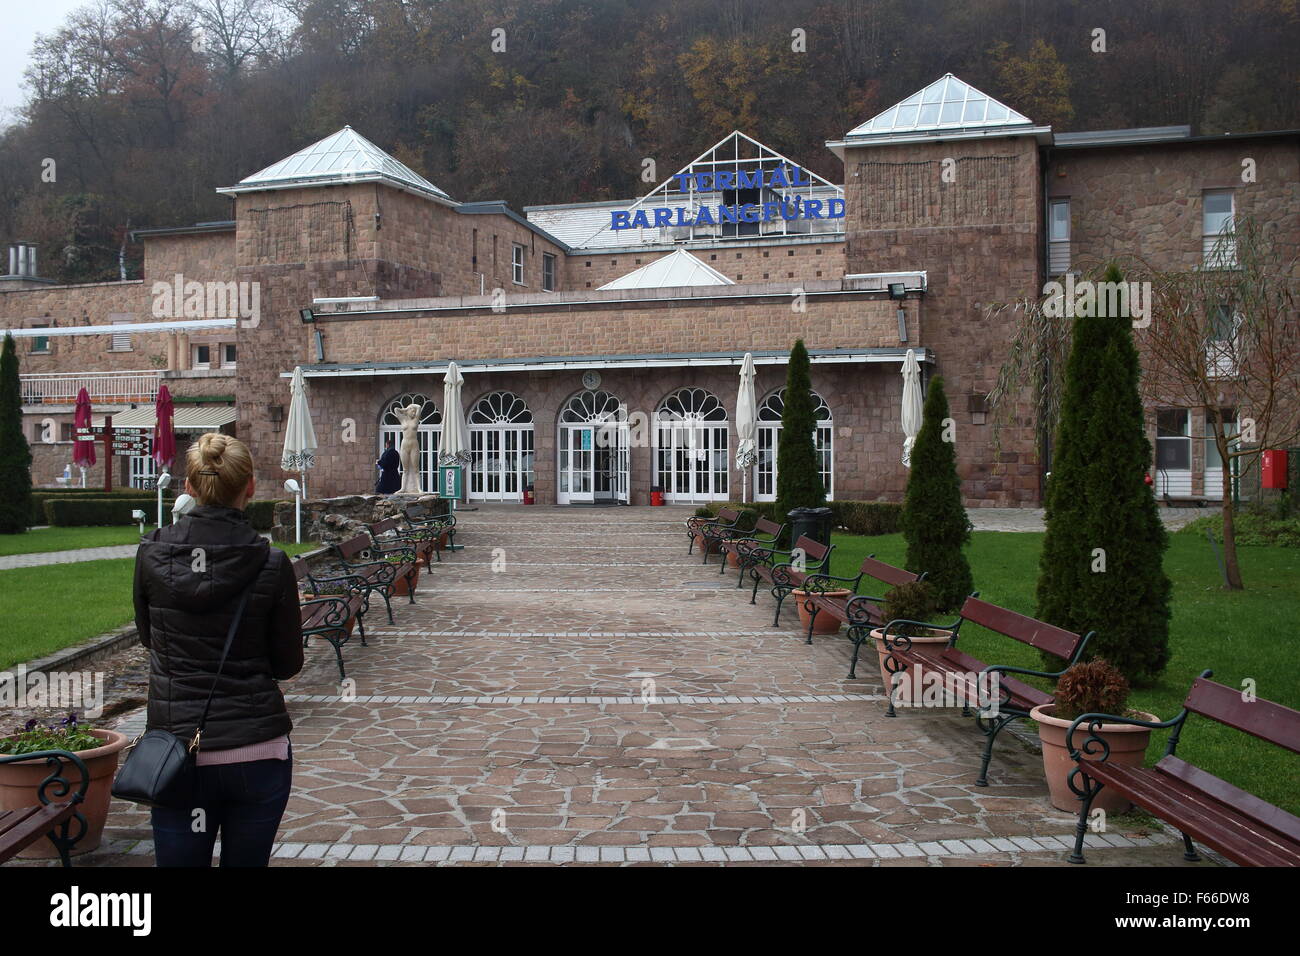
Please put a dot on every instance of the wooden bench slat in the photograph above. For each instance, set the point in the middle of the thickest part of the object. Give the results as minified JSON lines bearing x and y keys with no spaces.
{"x":1228,"y":831}
{"x":1275,"y":818}
{"x":1021,"y":693}
{"x":21,"y":828}
{"x":891,"y":575}
{"x":1259,"y":718}
{"x":1018,"y":627}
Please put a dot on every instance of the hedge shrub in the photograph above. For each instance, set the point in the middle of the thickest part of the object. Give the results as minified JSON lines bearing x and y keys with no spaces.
{"x":261,"y":513}
{"x":105,"y":510}
{"x":853,"y":517}
{"x":42,"y":495}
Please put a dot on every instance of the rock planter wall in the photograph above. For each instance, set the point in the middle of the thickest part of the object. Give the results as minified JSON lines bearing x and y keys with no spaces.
{"x":329,"y":520}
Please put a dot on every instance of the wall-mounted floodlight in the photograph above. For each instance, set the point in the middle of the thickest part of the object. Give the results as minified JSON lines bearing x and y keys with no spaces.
{"x":292,"y":486}
{"x":164,"y":481}
{"x":306,"y":316}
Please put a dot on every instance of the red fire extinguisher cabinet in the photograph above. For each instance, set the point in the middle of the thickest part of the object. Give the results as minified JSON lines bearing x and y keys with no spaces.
{"x":1273,"y":468}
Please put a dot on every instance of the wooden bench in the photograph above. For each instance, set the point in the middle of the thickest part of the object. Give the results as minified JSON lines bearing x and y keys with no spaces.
{"x":970,"y":678}
{"x":57,"y":812}
{"x":765,"y":534}
{"x":416,"y":518}
{"x":715,"y":535}
{"x":861,"y":612}
{"x":423,"y":540}
{"x":377,"y":576}
{"x":695,"y":525}
{"x":1245,"y":829}
{"x":785,"y":576}
{"x":328,"y":616}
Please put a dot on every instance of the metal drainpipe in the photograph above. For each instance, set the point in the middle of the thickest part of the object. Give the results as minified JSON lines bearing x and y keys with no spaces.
{"x":1045,"y":465}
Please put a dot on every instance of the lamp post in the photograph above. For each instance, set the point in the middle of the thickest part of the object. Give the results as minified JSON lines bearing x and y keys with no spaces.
{"x":164,"y":481}
{"x":293,"y":488}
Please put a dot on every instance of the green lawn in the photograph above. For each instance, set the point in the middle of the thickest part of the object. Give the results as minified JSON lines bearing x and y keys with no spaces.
{"x":1242,"y":635}
{"x":69,"y":539}
{"x":55,"y":606}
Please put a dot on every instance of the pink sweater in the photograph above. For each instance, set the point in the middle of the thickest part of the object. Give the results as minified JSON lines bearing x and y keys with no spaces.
{"x":277,"y":748}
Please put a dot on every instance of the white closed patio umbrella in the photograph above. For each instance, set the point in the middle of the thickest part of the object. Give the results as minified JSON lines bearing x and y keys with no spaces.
{"x":455,"y":431}
{"x":299,"y":436}
{"x":746,"y":424}
{"x":913,"y":404}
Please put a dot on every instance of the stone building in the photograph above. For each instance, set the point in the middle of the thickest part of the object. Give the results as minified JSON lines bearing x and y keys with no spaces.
{"x":601,"y":342}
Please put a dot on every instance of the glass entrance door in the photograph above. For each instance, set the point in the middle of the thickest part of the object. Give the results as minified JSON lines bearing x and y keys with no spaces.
{"x":577,"y":463}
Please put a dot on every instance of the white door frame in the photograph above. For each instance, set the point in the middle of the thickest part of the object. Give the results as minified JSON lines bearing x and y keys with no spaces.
{"x":512,"y":444}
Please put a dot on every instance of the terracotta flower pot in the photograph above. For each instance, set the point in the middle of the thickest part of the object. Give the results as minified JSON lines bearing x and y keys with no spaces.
{"x":733,"y":559}
{"x":400,"y":586}
{"x":20,"y":782}
{"x":825,"y":623}
{"x":903,"y":693}
{"x":1128,"y":747}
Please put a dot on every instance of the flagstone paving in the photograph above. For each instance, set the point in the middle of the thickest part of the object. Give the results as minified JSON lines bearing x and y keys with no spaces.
{"x":573,"y":688}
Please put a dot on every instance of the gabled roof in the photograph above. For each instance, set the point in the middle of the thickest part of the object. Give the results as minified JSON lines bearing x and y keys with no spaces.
{"x":343,"y":157}
{"x":678,"y":268}
{"x":948,"y":107}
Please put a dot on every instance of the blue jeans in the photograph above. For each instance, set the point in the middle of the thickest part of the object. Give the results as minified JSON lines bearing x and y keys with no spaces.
{"x":244,"y":801}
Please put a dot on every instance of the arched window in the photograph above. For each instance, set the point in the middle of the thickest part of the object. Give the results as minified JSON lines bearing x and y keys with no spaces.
{"x":592,"y":448}
{"x":390,"y":426}
{"x":769,"y":434}
{"x":692,"y":446}
{"x":501,"y":447}
{"x":589,"y":406}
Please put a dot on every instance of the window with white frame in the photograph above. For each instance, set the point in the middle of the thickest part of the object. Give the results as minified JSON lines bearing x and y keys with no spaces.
{"x":1058,"y":236}
{"x":1221,"y":344}
{"x":41,"y":343}
{"x":769,"y":439}
{"x":228,"y":355}
{"x":1218,"y":247}
{"x":548,"y":272}
{"x":120,"y":341}
{"x":1173,"y":439}
{"x":517,"y":264}
{"x":202,"y":357}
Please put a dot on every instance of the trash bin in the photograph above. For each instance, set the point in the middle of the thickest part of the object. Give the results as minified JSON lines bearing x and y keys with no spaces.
{"x":813,"y":522}
{"x":528,"y":494}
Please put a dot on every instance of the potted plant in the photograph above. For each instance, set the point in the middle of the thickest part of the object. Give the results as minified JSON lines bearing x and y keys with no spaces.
{"x":912,"y":602}
{"x":402,"y":587}
{"x":20,"y":782}
{"x":330,"y":589}
{"x":1091,"y":687}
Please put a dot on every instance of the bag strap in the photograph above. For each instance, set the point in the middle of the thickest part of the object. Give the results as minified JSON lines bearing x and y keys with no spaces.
{"x":230,"y":639}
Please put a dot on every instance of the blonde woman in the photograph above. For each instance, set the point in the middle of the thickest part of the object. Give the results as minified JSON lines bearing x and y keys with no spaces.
{"x":190,"y":579}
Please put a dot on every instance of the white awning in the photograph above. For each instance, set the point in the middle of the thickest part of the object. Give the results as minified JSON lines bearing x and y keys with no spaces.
{"x":175,"y":325}
{"x":185,"y":418}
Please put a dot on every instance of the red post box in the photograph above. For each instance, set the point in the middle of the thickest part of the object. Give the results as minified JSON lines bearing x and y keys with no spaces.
{"x":1273,"y":468}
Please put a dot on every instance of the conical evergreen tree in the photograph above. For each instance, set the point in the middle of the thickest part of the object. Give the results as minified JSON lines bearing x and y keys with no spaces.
{"x":15,"y":455}
{"x":1101,"y":566}
{"x":934,"y":519}
{"x":798,"y":477}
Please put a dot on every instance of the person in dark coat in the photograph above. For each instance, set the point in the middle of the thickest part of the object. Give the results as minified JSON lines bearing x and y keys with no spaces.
{"x":389,"y":480}
{"x":189,"y":578}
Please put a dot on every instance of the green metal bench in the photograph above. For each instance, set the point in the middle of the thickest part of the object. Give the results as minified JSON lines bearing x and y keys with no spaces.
{"x":861,"y":612}
{"x":695,"y":525}
{"x":766,"y":533}
{"x":1245,"y":829}
{"x":808,"y":556}
{"x":330,"y":616}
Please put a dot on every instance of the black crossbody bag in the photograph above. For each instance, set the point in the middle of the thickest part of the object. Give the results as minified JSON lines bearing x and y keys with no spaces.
{"x":160,"y":769}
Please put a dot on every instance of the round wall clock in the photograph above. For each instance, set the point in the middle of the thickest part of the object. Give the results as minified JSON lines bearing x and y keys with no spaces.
{"x":591,"y":380}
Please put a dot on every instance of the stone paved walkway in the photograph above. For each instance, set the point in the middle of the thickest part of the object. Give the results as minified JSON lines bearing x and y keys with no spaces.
{"x":10,"y":561}
{"x":501,"y":720}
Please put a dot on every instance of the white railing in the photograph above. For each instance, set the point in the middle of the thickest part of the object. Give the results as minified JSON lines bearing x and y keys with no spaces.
{"x":61,"y":388}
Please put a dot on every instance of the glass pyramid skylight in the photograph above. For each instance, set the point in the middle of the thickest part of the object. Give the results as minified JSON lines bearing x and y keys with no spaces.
{"x":946,"y":104}
{"x":678,"y":268}
{"x":345,"y":156}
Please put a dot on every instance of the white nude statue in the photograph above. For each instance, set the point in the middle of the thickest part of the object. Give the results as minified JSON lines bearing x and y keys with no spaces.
{"x":410,"y":451}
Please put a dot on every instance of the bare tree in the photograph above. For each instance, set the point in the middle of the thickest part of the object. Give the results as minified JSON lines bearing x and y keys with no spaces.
{"x":1225,"y":338}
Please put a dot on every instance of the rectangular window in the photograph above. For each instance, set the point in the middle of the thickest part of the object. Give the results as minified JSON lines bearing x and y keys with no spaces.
{"x":548,"y":272}
{"x":120,"y":341}
{"x":1220,"y":350}
{"x":1058,"y":236}
{"x":202,"y":356}
{"x":1230,"y":427}
{"x":1219,"y":249}
{"x":41,"y":344}
{"x":1173,"y":440}
{"x":228,"y":355}
{"x":517,"y":264}
{"x":66,"y":431}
